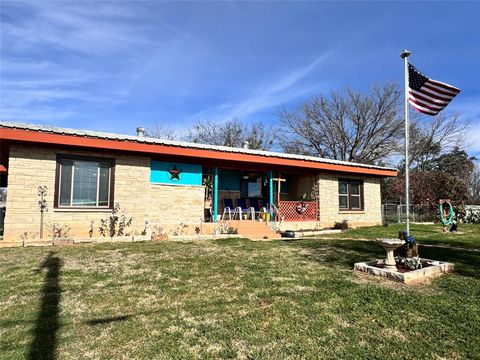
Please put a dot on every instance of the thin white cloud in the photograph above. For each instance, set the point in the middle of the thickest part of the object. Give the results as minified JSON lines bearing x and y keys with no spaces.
{"x":110,"y":31}
{"x":27,"y":86}
{"x":68,"y":27}
{"x":276,"y":92}
{"x":49,"y":31}
{"x":25,"y":67}
{"x":38,"y":114}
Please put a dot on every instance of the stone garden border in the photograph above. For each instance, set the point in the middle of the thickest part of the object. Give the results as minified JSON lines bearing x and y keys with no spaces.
{"x":408,"y":277}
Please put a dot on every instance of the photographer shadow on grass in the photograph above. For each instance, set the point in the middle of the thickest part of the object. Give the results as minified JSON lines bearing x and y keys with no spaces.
{"x":47,"y":323}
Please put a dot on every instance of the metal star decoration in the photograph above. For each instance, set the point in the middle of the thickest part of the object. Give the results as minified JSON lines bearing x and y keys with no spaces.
{"x":175,"y":173}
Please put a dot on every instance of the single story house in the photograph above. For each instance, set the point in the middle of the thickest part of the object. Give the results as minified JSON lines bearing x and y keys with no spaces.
{"x":57,"y":177}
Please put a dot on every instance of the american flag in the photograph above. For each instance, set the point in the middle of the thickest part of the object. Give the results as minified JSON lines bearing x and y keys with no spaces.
{"x":426,"y":95}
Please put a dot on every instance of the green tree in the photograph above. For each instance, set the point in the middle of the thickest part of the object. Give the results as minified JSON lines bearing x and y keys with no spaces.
{"x":427,"y":187}
{"x":456,"y":163}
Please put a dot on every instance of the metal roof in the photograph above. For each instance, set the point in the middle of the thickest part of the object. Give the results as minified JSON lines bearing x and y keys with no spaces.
{"x":182,"y":144}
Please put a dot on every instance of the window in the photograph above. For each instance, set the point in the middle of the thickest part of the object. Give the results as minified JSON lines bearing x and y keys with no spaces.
{"x":84,"y":182}
{"x":350,"y":194}
{"x":251,"y":188}
{"x":255,"y":188}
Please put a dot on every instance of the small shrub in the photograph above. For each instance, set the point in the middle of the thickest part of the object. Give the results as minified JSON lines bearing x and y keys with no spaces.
{"x":28,"y":236}
{"x":116,"y":224}
{"x":58,"y":231}
{"x":158,"y":233}
{"x":158,"y":229}
{"x":472,"y":216}
{"x":179,"y":229}
{"x":341,"y":225}
{"x":90,"y":231}
{"x":413,"y":263}
{"x":223,"y":228}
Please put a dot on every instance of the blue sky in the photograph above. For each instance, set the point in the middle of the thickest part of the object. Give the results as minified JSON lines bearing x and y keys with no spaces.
{"x":116,"y":65}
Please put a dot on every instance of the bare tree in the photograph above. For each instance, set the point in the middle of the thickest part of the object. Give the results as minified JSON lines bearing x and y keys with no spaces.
{"x":349,"y":126}
{"x":432,"y":137}
{"x":232,"y":133}
{"x":161,"y":131}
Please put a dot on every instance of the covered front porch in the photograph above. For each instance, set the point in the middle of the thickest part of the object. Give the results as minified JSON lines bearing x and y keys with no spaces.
{"x":250,"y":194}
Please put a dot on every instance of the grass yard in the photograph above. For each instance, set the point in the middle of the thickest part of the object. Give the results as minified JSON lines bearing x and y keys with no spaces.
{"x":232,"y":299}
{"x":468,"y":235}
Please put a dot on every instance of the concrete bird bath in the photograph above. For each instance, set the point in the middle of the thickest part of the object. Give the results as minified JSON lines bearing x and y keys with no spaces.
{"x":390,"y":245}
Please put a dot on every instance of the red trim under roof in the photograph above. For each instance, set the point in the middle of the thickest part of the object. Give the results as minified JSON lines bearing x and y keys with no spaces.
{"x":39,"y":137}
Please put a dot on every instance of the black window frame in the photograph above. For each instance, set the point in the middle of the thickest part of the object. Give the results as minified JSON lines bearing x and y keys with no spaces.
{"x":110,"y":161}
{"x":349,"y":183}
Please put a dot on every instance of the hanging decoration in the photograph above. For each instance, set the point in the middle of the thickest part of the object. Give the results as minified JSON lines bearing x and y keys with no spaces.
{"x":447,"y":214}
{"x":175,"y":173}
{"x":301,"y":208}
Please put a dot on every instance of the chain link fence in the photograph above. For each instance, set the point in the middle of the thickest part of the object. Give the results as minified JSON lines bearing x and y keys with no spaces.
{"x":397,"y":213}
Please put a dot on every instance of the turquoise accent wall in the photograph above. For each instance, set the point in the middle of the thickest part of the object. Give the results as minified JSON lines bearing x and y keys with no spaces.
{"x":229,"y":179}
{"x":190,"y":174}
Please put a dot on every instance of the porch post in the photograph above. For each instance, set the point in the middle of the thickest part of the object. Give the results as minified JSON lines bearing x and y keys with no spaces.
{"x":215,"y":193}
{"x":270,"y":190}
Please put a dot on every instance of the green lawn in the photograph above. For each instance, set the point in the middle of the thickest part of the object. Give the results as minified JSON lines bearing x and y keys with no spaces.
{"x":232,"y":299}
{"x":468,"y":235}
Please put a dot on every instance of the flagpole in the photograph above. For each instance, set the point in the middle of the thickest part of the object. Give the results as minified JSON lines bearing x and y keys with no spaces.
{"x":404,"y":55}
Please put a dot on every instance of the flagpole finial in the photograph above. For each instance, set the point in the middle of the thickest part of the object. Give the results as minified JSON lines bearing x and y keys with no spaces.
{"x":405,"y":54}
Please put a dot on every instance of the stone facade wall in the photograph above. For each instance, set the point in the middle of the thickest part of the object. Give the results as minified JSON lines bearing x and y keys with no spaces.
{"x":162,"y":205}
{"x":298,"y":225}
{"x":175,"y":204}
{"x":329,"y":203}
{"x":29,"y":167}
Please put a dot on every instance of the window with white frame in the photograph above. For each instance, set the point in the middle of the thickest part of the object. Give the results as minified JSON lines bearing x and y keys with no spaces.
{"x":84,"y":182}
{"x":350,"y":194}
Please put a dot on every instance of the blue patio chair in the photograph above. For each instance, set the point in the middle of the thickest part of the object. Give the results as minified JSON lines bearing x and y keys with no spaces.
{"x":230,"y":211}
{"x":255,"y":205}
{"x":243,"y":208}
{"x":228,"y":203}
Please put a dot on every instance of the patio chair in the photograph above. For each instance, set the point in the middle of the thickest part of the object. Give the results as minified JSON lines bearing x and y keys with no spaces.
{"x":243,"y":208}
{"x":255,"y":205}
{"x":229,"y":210}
